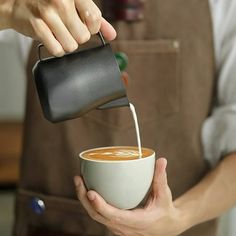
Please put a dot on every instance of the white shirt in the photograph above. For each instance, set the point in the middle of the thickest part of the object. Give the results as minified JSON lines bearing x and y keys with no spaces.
{"x":219,"y":130}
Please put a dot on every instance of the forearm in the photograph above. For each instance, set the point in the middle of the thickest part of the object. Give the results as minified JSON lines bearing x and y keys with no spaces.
{"x":212,"y":196}
{"x":5,"y":13}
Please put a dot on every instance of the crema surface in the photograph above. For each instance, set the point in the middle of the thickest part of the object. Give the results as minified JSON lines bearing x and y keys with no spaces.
{"x":116,"y":153}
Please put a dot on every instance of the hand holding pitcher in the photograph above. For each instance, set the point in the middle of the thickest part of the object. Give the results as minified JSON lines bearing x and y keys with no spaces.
{"x":60,"y":25}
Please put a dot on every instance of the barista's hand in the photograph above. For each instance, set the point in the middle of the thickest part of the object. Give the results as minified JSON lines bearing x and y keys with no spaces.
{"x":61,"y":25}
{"x":159,"y":217}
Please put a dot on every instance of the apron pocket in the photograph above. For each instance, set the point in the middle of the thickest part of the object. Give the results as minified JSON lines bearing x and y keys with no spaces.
{"x":62,"y":215}
{"x":154,"y":86}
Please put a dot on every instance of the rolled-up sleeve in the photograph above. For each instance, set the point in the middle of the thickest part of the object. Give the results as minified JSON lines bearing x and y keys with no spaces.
{"x":219,"y":129}
{"x":16,"y":42}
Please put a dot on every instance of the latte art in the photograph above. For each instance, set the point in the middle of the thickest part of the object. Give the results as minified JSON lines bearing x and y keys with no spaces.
{"x":116,"y":153}
{"x":126,"y":153}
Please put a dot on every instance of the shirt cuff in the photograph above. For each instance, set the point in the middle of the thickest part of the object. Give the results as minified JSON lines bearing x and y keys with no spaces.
{"x":219,"y":134}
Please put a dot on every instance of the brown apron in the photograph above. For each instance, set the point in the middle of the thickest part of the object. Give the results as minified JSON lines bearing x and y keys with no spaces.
{"x":171,"y":64}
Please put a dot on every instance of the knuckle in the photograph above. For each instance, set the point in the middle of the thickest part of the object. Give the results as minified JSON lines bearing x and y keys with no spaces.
{"x":97,"y":16}
{"x":59,"y":4}
{"x":33,"y":6}
{"x":96,"y":19}
{"x":93,"y":215}
{"x":78,"y":195}
{"x":99,"y":207}
{"x":95,"y":24}
{"x":116,"y":231}
{"x":45,"y":12}
{"x":83,"y":38}
{"x":142,"y":227}
{"x":71,"y":47}
{"x":42,"y":6}
{"x":57,"y":52}
{"x":115,"y":220}
{"x":62,"y":7}
{"x":36,"y":25}
{"x":96,"y":10}
{"x":94,"y":28}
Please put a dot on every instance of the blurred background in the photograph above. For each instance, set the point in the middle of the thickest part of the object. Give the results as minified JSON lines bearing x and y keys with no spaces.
{"x":12,"y":106}
{"x":14,"y":49}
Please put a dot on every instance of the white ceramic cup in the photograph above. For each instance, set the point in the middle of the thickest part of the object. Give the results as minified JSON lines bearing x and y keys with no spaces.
{"x":122,"y":183}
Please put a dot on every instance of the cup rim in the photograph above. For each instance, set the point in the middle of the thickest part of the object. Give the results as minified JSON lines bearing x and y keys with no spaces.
{"x":115,"y":161}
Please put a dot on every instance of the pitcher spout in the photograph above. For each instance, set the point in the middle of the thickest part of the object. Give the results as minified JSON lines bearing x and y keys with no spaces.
{"x":120,"y":102}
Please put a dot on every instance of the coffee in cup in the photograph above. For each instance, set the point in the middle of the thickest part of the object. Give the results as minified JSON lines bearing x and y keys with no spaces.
{"x":116,"y":153}
{"x":118,"y":173}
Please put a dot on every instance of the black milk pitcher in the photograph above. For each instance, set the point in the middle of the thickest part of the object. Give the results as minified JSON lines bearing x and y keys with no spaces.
{"x":72,"y":85}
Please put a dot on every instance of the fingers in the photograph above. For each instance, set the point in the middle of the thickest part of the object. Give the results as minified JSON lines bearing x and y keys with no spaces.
{"x":65,"y":22}
{"x":76,"y":27}
{"x":92,"y":17}
{"x":107,"y":30}
{"x":89,"y":14}
{"x":160,"y":186}
{"x":60,"y":31}
{"x":114,"y":215}
{"x":125,"y":78}
{"x":82,"y":196}
{"x":71,"y":29}
{"x":102,"y":212}
{"x":67,"y":25}
{"x":72,"y":23}
{"x":44,"y":34}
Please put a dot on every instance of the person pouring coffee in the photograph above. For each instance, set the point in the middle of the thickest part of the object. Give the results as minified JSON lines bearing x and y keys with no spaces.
{"x":182,"y":116}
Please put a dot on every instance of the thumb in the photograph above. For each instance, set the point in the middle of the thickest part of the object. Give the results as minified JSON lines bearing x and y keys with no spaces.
{"x":160,"y":186}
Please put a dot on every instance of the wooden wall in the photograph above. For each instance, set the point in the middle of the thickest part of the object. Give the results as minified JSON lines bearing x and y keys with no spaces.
{"x":10,"y":151}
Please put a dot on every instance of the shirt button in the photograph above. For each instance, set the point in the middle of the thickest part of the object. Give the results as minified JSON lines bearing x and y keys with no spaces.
{"x":37,"y":205}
